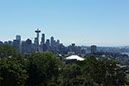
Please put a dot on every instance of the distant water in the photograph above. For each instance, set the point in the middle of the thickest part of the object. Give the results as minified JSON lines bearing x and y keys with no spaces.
{"x":125,"y":53}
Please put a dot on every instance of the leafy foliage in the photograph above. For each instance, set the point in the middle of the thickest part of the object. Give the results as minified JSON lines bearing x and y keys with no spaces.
{"x":105,"y":73}
{"x":43,"y":68}
{"x":12,"y":70}
{"x":12,"y":73}
{"x":7,"y":52}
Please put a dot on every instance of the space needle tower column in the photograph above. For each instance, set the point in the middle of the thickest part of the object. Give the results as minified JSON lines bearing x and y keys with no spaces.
{"x":37,"y":47}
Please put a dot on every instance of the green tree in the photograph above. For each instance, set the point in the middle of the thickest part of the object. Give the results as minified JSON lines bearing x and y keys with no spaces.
{"x":71,"y":75}
{"x":7,"y":52}
{"x":105,"y":73}
{"x":12,"y":68}
{"x":43,"y":68}
{"x":12,"y":73}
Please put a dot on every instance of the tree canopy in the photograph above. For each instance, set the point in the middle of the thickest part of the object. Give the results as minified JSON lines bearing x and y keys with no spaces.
{"x":45,"y":69}
{"x":12,"y":69}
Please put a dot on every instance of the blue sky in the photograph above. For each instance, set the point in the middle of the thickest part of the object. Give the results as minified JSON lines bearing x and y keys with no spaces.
{"x":84,"y":22}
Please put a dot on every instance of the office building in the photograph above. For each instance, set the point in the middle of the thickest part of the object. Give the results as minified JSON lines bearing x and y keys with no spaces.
{"x":18,"y":37}
{"x":43,"y":39}
{"x":52,"y":42}
{"x":58,"y":42}
{"x":47,"y":45}
{"x":27,"y":47}
{"x":10,"y":43}
{"x":17,"y":43}
{"x":93,"y":49}
{"x":42,"y":46}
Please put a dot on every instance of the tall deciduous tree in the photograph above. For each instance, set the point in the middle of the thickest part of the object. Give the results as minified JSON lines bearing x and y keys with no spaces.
{"x":44,"y":68}
{"x":105,"y":73}
{"x":12,"y":68}
{"x":12,"y":73}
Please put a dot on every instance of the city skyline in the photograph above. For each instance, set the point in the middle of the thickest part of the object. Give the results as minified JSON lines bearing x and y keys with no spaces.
{"x":98,"y":22}
{"x":43,"y":40}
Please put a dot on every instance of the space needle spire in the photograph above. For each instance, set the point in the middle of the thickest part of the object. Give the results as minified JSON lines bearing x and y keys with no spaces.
{"x":37,"y":47}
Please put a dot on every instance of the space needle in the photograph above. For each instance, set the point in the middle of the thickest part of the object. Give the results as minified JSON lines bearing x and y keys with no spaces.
{"x":37,"y":47}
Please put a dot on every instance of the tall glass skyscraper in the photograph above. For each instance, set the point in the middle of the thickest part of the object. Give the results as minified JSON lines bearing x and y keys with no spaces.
{"x":18,"y":37}
{"x":48,"y":44}
{"x":52,"y":41}
{"x":17,"y":43}
{"x":43,"y":39}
